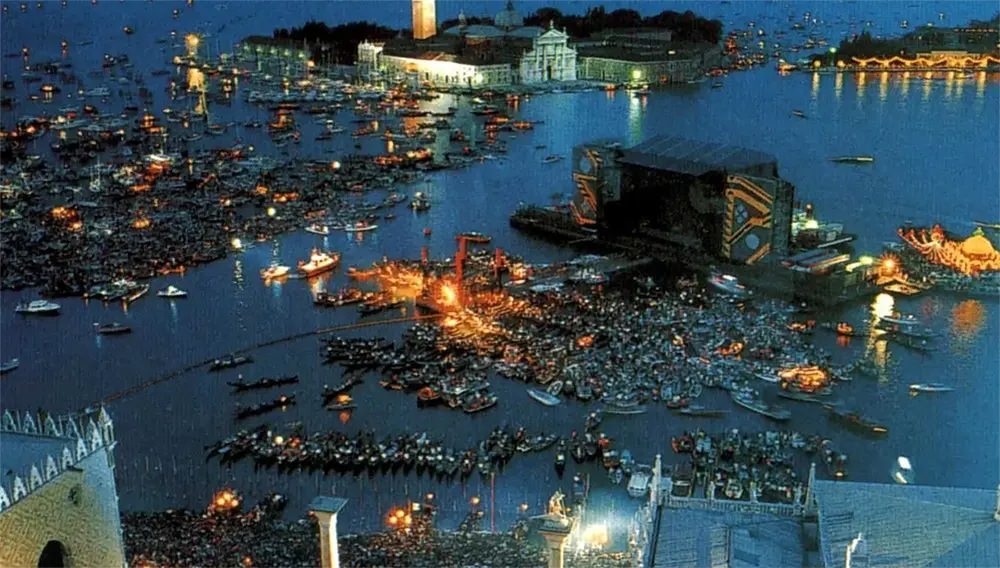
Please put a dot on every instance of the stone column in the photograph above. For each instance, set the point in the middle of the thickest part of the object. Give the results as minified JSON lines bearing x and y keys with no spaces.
{"x":326,"y":509}
{"x":555,"y":529}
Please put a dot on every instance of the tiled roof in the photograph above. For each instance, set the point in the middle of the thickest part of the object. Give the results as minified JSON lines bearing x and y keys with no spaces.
{"x":909,"y":525}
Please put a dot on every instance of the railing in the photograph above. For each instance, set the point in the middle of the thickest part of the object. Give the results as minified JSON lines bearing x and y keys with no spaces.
{"x":728,"y":505}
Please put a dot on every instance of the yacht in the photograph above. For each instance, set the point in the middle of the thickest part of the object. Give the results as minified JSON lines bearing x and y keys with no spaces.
{"x":274,"y":271}
{"x":37,"y":307}
{"x":319,"y":262}
{"x":172,"y":292}
{"x":317,"y":229}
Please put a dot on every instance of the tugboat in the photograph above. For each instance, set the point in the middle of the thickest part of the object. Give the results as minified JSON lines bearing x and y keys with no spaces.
{"x":229,"y":361}
{"x":112,"y":328}
{"x":8,"y":366}
{"x":420,"y":202}
{"x":38,"y":307}
{"x":274,"y":271}
{"x":172,"y":292}
{"x":855,"y":421}
{"x":319,"y":262}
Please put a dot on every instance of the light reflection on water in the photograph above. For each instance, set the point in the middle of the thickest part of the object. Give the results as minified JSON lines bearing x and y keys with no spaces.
{"x":967,"y":319}
{"x":883,"y":86}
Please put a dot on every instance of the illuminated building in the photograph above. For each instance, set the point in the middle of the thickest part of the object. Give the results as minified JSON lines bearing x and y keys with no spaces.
{"x":58,"y":503}
{"x":971,"y":257}
{"x":275,"y":56}
{"x":424,"y":19}
{"x":550,"y":59}
{"x":709,"y":199}
{"x":442,"y":68}
{"x":642,"y":55}
{"x":942,"y":59}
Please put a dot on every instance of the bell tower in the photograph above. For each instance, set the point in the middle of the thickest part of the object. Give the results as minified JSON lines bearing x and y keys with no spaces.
{"x":424,"y":19}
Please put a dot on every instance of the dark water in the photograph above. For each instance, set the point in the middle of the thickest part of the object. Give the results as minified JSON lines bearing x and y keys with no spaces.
{"x":935,"y":145}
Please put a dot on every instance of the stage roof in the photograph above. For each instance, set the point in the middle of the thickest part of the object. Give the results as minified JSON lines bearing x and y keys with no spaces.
{"x":691,"y":157}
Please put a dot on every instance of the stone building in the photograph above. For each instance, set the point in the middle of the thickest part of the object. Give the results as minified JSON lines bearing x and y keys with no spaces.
{"x":620,"y":65}
{"x":58,"y":501}
{"x":550,"y":59}
{"x":446,"y":69}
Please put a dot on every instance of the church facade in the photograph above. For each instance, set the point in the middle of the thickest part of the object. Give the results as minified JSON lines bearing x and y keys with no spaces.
{"x":550,"y":59}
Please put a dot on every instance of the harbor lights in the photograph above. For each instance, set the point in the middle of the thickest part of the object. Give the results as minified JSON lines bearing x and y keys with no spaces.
{"x":271,"y":211}
{"x":636,"y":75}
{"x":399,"y":518}
{"x":236,"y":243}
{"x":191,"y":42}
{"x":833,"y":55}
{"x":335,"y":165}
{"x":224,"y":501}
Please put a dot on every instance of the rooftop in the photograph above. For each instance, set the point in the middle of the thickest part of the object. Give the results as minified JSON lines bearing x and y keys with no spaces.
{"x":695,"y":538}
{"x":695,"y":158}
{"x":909,"y":525}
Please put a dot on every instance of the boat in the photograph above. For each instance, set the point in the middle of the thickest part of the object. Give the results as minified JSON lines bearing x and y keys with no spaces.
{"x":800,"y":396}
{"x":341,"y":406}
{"x":112,"y":328}
{"x":274,"y":271}
{"x":717,"y":85}
{"x":616,"y":475}
{"x":264,"y":383}
{"x":551,"y":159}
{"x":853,"y":159}
{"x":172,"y":292}
{"x":555,"y":389}
{"x":474,"y":237}
{"x":317,"y":229}
{"x":728,"y":284}
{"x":733,"y":489}
{"x":799,"y":113}
{"x":638,"y":484}
{"x":930,"y":387}
{"x":701,"y":411}
{"x":855,"y":420}
{"x":229,"y":361}
{"x":902,"y":471}
{"x":40,"y":307}
{"x":8,"y":366}
{"x":136,"y":293}
{"x":750,"y":402}
{"x":900,"y":319}
{"x":420,"y":202}
{"x":319,"y":262}
{"x":543,"y":397}
{"x":360,"y":227}
{"x":479,"y":403}
{"x":428,"y":396}
{"x":623,"y":410}
{"x":768,"y":377}
{"x":257,"y":409}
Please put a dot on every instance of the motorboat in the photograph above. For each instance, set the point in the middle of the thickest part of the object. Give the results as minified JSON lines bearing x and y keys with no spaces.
{"x":420,"y":202}
{"x":900,"y":319}
{"x":40,"y":307}
{"x":319,"y":262}
{"x":274,"y":271}
{"x":799,"y":113}
{"x":136,"y":293}
{"x":551,"y":159}
{"x":543,"y":397}
{"x":8,"y":366}
{"x":360,"y":227}
{"x":728,"y":284}
{"x":701,"y":411}
{"x":112,"y":328}
{"x":902,"y":471}
{"x":172,"y":292}
{"x":855,"y":420}
{"x":258,"y":409}
{"x":638,"y":484}
{"x":317,"y":229}
{"x":930,"y":387}
{"x":623,"y":410}
{"x":864,"y":159}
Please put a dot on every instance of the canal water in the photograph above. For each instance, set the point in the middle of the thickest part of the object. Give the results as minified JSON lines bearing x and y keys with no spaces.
{"x":935,"y":147}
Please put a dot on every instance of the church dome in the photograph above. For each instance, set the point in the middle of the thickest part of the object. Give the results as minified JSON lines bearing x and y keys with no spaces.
{"x":977,"y":246}
{"x":508,"y":18}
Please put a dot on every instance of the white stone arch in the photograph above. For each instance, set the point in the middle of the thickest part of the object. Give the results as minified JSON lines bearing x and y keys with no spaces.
{"x":81,"y":449}
{"x":34,"y":478}
{"x":71,"y":430}
{"x":51,"y":470}
{"x":28,"y":424}
{"x":50,"y":428}
{"x":67,"y":458}
{"x":95,"y":438}
{"x":19,"y":489}
{"x":4,"y":499}
{"x":8,"y":424}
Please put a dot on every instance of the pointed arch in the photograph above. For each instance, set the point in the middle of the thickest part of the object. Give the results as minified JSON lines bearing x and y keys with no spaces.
{"x":34,"y":478}
{"x":20,"y":491}
{"x":50,"y":428}
{"x":8,"y":424}
{"x":67,"y":458}
{"x":28,"y":424}
{"x":81,"y":449}
{"x":4,"y":499}
{"x":51,"y":469}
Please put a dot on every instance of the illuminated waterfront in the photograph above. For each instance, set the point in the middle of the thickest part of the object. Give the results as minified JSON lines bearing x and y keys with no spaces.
{"x":928,"y":169}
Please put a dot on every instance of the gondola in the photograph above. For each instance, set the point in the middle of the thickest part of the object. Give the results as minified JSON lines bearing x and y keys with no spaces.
{"x":264,"y":383}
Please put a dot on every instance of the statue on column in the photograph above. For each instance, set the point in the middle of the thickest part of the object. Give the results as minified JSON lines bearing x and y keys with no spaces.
{"x":556,"y":506}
